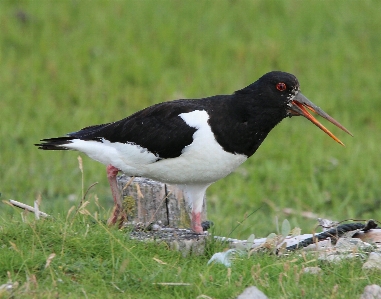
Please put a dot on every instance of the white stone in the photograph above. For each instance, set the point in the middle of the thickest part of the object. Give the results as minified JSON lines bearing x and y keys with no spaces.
{"x":252,"y":293}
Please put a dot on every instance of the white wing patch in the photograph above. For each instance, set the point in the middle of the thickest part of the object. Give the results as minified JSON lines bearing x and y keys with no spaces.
{"x":196,"y":119}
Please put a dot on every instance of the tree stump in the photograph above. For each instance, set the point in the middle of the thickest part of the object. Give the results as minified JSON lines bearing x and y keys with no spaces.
{"x":147,"y":201}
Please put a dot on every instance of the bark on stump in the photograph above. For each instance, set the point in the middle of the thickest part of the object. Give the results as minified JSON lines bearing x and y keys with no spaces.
{"x":147,"y":201}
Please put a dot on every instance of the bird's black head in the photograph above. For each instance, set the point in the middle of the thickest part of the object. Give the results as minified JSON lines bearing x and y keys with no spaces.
{"x":279,"y":94}
{"x":274,"y":89}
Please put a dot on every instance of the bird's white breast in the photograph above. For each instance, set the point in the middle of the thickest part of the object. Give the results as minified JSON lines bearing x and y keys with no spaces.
{"x":202,"y":161}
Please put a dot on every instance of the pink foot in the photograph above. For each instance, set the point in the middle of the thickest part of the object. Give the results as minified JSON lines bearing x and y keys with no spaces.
{"x":117,"y":213}
{"x":196,"y":223}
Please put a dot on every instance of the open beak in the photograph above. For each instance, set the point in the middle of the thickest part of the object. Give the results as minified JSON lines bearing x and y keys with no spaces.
{"x":298,"y":107}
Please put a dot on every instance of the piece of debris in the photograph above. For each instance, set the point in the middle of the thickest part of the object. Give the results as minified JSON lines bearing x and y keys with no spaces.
{"x":372,"y":291}
{"x":225,"y":257}
{"x":28,"y":208}
{"x":7,"y":289}
{"x":252,"y":293}
{"x":327,"y":224}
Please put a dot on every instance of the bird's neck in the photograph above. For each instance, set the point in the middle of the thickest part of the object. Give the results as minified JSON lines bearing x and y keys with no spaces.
{"x":248,"y":125}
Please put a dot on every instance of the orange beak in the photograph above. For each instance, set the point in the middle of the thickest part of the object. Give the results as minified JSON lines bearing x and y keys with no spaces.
{"x":298,"y":107}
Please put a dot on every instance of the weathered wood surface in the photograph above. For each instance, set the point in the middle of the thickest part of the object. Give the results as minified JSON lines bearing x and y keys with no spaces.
{"x":147,"y":201}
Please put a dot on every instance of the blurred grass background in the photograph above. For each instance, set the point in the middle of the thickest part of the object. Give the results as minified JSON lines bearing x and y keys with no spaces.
{"x":65,"y":65}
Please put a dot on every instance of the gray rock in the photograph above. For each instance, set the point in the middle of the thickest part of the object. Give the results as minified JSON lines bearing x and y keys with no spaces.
{"x":252,"y":293}
{"x":335,"y":257}
{"x":373,"y":262}
{"x":352,"y":245}
{"x":372,"y":291}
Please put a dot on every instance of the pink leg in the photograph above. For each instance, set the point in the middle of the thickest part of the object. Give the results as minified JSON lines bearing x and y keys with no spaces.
{"x":194,"y":195}
{"x":196,"y":223}
{"x":112,"y":172}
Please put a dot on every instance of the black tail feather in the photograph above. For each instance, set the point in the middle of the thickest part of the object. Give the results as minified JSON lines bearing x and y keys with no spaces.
{"x":54,"y":143}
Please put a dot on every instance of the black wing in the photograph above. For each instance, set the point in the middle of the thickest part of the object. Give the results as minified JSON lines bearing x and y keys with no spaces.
{"x":157,"y":128}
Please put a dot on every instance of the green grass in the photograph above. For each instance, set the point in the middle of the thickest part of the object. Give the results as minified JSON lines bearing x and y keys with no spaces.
{"x":68,"y":64}
{"x":92,"y":261}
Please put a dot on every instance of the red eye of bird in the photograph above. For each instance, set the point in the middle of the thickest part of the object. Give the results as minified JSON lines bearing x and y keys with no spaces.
{"x":281,"y":86}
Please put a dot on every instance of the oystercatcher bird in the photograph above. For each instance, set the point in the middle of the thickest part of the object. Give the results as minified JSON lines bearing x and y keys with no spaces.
{"x":192,"y":143}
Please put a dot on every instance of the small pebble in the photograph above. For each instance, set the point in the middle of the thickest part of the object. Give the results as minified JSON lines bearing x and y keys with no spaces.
{"x":312,"y":270}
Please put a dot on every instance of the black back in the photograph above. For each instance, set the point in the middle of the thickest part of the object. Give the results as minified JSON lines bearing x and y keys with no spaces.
{"x":157,"y":128}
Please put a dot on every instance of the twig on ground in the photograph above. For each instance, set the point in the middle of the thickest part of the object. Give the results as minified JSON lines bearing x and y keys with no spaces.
{"x":28,"y":208}
{"x":172,"y":283}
